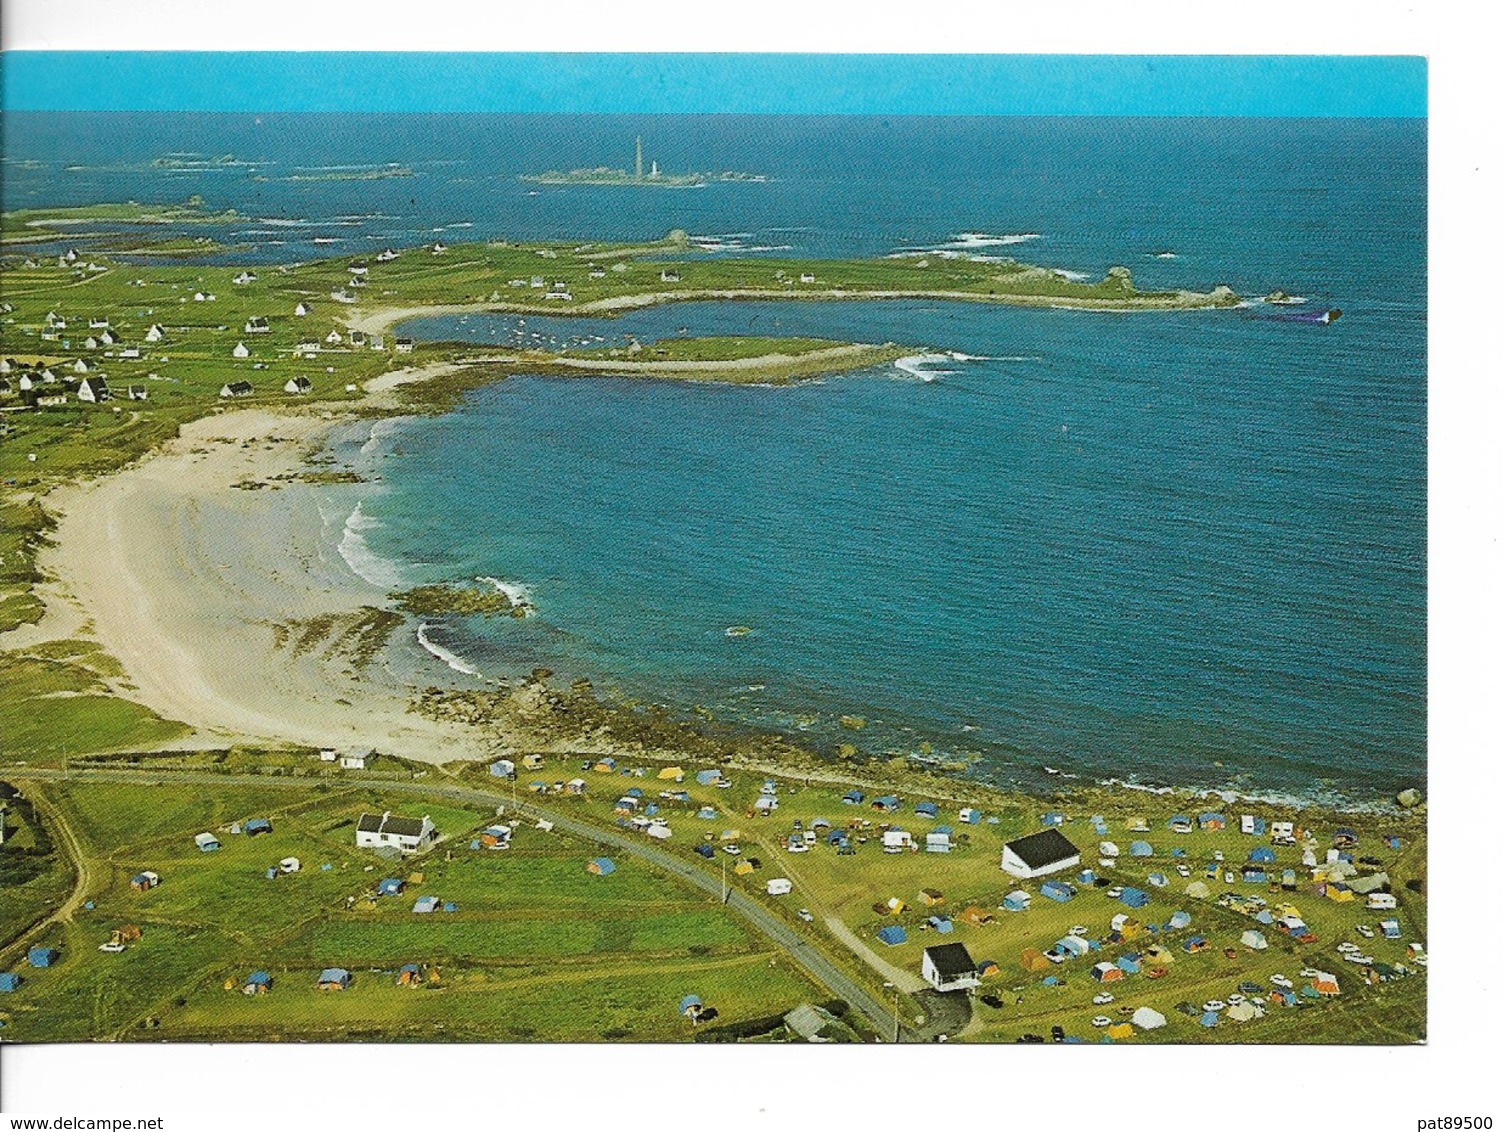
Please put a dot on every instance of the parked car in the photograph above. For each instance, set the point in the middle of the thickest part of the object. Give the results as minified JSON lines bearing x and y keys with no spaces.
{"x":1030,"y":1039}
{"x":1100,"y":1021}
{"x":1213,"y":1005}
{"x":1364,"y":931}
{"x":1103,"y":998}
{"x":733,"y":850}
{"x":806,"y":915}
{"x":112,"y":948}
{"x":1284,"y":982}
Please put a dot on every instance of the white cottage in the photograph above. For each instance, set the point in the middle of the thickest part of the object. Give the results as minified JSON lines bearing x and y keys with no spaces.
{"x":410,"y":835}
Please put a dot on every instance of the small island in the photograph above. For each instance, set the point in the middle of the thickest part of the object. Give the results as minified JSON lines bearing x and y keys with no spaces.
{"x":642,"y":177}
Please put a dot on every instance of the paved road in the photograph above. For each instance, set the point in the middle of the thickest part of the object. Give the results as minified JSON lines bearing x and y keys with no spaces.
{"x":790,"y":939}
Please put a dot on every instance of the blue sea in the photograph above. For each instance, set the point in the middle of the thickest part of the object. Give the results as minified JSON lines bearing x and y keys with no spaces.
{"x":1168,"y":547}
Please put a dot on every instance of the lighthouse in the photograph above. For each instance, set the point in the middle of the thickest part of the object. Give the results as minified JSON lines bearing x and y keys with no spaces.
{"x":639,"y":155}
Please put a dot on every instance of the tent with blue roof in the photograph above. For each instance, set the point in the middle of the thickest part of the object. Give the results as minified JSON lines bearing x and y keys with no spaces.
{"x":1053,"y":817}
{"x":1211,"y":820}
{"x":892,"y":935}
{"x":926,"y":809}
{"x":450,"y":906}
{"x":1177,"y":920}
{"x":1158,"y":880}
{"x":1262,"y":854}
{"x":941,"y":924}
{"x":1140,"y":849}
{"x":42,"y":956}
{"x":820,"y":823}
{"x":391,"y":886}
{"x":706,"y":777}
{"x":333,"y":978}
{"x":853,"y":797}
{"x":634,"y":792}
{"x":1133,"y":897}
{"x":690,"y":1003}
{"x":969,"y":815}
{"x":1131,"y":963}
{"x":1180,"y":823}
{"x":1056,"y":890}
{"x":707,"y":813}
{"x":257,"y":825}
{"x":1086,"y":878}
{"x":10,"y":981}
{"x":425,"y":904}
{"x":258,"y":982}
{"x":767,"y":802}
{"x":887,"y":803}
{"x":1209,"y":1019}
{"x":601,"y":866}
{"x":1016,"y":901}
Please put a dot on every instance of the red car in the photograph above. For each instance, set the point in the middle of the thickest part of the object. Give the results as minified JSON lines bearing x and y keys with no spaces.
{"x":1157,"y":972}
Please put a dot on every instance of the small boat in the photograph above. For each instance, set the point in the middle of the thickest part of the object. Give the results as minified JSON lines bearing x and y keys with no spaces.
{"x":738,"y":631}
{"x":1320,"y":316}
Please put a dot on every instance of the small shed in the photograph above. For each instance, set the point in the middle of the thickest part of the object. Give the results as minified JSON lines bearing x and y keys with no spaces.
{"x":333,"y":978}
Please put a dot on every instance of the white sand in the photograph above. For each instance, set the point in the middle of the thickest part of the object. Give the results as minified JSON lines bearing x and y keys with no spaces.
{"x":182,"y":577}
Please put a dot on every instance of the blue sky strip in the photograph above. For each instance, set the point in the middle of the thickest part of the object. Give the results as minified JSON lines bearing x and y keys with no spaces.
{"x":1114,"y":85}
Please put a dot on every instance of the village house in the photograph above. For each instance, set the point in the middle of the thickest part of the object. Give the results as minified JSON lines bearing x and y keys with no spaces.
{"x":301,"y":310}
{"x":358,"y":758}
{"x":244,"y":277}
{"x":1039,"y":854}
{"x":297,"y":385}
{"x":94,"y":388}
{"x":410,"y":835}
{"x":240,"y":350}
{"x":949,"y":967}
{"x":155,"y":332}
{"x":257,"y":325}
{"x":404,"y":345}
{"x":236,"y":389}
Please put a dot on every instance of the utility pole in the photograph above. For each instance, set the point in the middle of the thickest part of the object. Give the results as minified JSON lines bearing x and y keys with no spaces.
{"x":639,"y":157}
{"x":895,"y":1031}
{"x":724,"y":892}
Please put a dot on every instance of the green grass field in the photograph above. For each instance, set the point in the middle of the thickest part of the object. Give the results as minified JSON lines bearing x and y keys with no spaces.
{"x":537,"y":948}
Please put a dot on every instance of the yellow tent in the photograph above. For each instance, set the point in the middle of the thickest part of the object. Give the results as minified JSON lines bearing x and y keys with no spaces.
{"x":743,"y":867}
{"x":674,"y":772}
{"x":894,"y":906}
{"x":1119,"y":1031}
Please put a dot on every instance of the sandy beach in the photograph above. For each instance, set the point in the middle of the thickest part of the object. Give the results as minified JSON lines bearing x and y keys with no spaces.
{"x":199,"y":588}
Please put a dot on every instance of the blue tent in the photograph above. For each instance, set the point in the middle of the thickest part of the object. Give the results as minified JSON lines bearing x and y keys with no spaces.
{"x":1086,"y":878}
{"x":1158,"y":880}
{"x":1015,"y":901}
{"x":1211,"y":820}
{"x":1133,"y":897}
{"x":1209,"y":1019}
{"x":1176,"y":852}
{"x":1130,"y":964}
{"x":705,"y":851}
{"x":503,"y":768}
{"x":707,"y":813}
{"x":1194,"y":943}
{"x":450,"y":906}
{"x":336,"y":975}
{"x":1257,"y":827}
{"x":853,"y":797}
{"x":411,"y":970}
{"x":634,"y":792}
{"x":820,"y":823}
{"x":1252,"y":874}
{"x":1262,"y":854}
{"x":1264,"y":916}
{"x":10,"y":981}
{"x":1140,"y":849}
{"x":689,"y":1002}
{"x":602,"y":866}
{"x":425,"y":904}
{"x":1053,"y":817}
{"x":257,"y":825}
{"x":650,"y":809}
{"x":1179,"y":920}
{"x":391,"y":886}
{"x":1056,"y":890}
{"x":941,"y":924}
{"x":705,"y":777}
{"x":892,"y":935}
{"x":927,"y":809}
{"x":1180,"y":823}
{"x":258,"y":979}
{"x":837,"y":837}
{"x":769,"y":787}
{"x":888,"y":803}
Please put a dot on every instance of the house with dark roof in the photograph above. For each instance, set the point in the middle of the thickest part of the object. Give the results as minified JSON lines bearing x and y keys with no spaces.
{"x":1039,"y":854}
{"x":386,"y":830}
{"x":949,"y":967}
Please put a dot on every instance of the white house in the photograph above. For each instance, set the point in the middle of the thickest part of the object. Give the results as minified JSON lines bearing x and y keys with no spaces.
{"x":306,"y":346}
{"x":404,"y":345}
{"x":936,"y":843}
{"x":328,"y":755}
{"x":240,"y":350}
{"x":410,"y":835}
{"x":99,"y":324}
{"x":300,"y":311}
{"x":130,"y":352}
{"x":1039,"y":854}
{"x":333,"y":338}
{"x":155,"y":332}
{"x":297,"y":385}
{"x":355,"y":760}
{"x":245,"y":277}
{"x":949,"y":967}
{"x":256,"y":324}
{"x":1281,"y":832}
{"x":94,"y":389}
{"x":236,"y":389}
{"x":806,"y":277}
